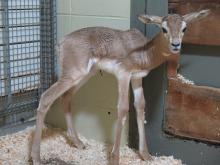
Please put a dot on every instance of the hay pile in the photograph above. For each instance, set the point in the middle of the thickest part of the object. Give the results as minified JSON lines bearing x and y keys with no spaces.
{"x":56,"y":150}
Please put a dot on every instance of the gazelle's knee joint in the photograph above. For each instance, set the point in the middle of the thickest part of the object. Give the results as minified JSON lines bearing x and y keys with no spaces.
{"x":141,"y":114}
{"x":122,"y":112}
{"x":140,"y":102}
{"x":123,"y":108}
{"x":41,"y":113}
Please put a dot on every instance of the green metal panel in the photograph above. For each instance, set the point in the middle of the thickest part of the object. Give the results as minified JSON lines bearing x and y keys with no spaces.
{"x":201,"y":64}
{"x":137,"y":8}
{"x":158,"y":7}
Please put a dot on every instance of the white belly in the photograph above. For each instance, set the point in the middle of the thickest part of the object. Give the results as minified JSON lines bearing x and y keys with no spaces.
{"x":114,"y":67}
{"x":110,"y":66}
{"x":139,"y":74}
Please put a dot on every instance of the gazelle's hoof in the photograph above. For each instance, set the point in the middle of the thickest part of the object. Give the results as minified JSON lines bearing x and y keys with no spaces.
{"x":114,"y":159}
{"x":145,"y":156}
{"x":78,"y":144}
{"x":36,"y":162}
{"x":35,"y":156}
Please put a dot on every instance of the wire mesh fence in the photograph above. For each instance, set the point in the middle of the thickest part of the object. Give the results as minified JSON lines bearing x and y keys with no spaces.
{"x":27,"y":57}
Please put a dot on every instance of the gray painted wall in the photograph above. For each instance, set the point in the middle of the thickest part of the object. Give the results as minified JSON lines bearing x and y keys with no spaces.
{"x":198,"y":63}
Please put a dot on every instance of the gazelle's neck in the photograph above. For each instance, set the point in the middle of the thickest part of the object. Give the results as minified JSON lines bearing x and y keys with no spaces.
{"x":158,"y":49}
{"x":160,"y":45}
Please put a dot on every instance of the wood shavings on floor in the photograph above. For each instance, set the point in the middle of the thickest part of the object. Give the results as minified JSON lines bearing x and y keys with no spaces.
{"x":56,"y":150}
{"x":185,"y":80}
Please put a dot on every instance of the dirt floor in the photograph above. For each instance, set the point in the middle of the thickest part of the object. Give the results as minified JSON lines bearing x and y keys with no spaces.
{"x":56,"y":150}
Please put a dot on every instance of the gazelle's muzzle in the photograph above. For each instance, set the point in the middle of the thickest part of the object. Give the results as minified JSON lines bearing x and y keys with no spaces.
{"x":175,"y":46}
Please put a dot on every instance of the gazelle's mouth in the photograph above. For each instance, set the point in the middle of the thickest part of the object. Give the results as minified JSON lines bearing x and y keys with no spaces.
{"x":175,"y":50}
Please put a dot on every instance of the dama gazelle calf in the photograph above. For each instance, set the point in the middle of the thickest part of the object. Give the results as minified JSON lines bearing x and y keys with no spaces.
{"x":127,"y":55}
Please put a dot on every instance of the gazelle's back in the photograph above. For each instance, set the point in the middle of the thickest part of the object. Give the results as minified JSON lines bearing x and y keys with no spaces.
{"x":103,"y":42}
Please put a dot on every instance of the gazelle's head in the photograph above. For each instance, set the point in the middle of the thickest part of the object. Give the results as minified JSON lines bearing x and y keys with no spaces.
{"x":173,"y":26}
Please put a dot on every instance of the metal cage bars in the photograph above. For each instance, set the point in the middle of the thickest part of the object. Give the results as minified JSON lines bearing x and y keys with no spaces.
{"x":27,"y":56}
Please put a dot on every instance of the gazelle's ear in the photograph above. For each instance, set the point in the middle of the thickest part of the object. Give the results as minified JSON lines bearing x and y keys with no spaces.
{"x":150,"y":19}
{"x":195,"y":15}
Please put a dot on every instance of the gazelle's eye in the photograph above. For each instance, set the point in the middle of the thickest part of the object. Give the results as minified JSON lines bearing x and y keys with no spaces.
{"x":164,"y":30}
{"x":184,"y":29}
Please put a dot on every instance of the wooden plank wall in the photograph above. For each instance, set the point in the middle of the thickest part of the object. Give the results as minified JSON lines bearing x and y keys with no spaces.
{"x":205,"y":31}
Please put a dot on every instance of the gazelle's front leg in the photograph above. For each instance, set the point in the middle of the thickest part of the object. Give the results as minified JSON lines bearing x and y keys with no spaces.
{"x":123,"y":107}
{"x":139,"y":103}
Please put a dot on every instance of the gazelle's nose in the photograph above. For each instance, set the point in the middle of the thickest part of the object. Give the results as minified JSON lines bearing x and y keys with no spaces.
{"x":176,"y":44}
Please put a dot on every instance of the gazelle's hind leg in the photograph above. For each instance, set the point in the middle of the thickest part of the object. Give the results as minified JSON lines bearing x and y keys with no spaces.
{"x":66,"y":102}
{"x":71,"y":132}
{"x":47,"y":99}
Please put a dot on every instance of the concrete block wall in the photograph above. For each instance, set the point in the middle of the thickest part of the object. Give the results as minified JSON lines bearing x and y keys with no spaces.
{"x":76,"y":14}
{"x":94,"y":107}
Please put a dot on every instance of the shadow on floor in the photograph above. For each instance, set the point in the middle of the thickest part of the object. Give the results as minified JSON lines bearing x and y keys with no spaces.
{"x":56,"y":161}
